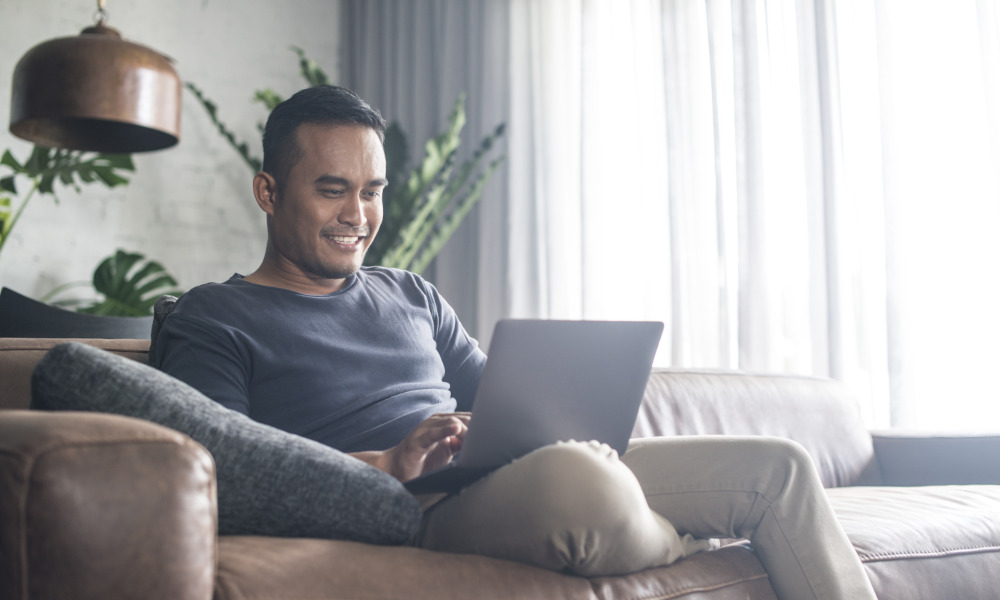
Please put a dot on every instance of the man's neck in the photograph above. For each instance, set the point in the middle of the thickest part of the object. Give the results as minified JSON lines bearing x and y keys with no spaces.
{"x":271,"y":276}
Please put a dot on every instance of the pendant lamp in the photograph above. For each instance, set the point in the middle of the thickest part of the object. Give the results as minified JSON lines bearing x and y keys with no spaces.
{"x":96,"y":92}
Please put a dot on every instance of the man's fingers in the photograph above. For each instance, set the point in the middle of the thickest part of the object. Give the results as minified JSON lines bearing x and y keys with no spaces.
{"x":438,"y":428}
{"x":430,"y":445}
{"x":464,"y":417}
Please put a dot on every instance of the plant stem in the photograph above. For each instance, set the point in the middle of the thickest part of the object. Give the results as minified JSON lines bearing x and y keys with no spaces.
{"x":17,"y":215}
{"x":47,"y":298}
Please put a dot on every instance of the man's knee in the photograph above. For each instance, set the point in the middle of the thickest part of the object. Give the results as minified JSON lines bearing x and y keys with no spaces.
{"x":773,"y":448}
{"x":785,"y":457}
{"x":554,"y":507}
{"x":589,"y":513}
{"x":570,"y":482}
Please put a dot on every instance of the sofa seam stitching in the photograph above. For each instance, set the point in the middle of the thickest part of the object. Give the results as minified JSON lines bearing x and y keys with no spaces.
{"x":678,"y":592}
{"x":956,"y":551}
{"x":55,"y":446}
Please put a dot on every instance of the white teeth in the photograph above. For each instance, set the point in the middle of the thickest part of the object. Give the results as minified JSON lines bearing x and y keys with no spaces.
{"x":340,"y":239}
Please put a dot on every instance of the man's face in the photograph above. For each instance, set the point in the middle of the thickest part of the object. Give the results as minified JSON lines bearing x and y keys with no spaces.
{"x":330,"y":208}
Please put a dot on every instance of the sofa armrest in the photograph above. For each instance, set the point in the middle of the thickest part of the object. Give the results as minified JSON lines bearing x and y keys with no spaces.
{"x":103,"y":506}
{"x":909,"y":459}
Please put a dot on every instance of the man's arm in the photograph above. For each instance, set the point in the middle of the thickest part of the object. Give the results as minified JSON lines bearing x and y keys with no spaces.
{"x":462,"y":358}
{"x":431,"y":445}
{"x":202,"y":357}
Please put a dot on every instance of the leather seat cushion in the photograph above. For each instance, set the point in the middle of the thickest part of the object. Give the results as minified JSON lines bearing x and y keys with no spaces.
{"x":257,"y":568}
{"x":925,"y":542}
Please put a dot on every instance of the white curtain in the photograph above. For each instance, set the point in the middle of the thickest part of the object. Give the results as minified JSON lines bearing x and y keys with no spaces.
{"x":683,"y":161}
{"x":939,"y":74}
{"x":790,"y":185}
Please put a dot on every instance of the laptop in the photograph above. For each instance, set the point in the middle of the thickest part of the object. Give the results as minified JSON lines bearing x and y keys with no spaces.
{"x":547,"y":381}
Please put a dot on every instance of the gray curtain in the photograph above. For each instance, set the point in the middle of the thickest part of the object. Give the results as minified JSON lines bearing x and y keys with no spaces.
{"x":412,"y":59}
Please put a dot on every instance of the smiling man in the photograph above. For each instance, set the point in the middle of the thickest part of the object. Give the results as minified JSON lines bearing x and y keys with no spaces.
{"x":373,"y":362}
{"x":323,"y":210}
{"x":310,"y":342}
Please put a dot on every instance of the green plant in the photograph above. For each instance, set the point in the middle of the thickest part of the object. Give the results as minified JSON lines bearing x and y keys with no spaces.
{"x":129,"y":283}
{"x":423,"y":209}
{"x":44,"y":168}
{"x":309,"y":70}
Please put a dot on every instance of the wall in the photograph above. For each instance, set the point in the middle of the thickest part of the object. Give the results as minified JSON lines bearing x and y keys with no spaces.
{"x":189,"y":207}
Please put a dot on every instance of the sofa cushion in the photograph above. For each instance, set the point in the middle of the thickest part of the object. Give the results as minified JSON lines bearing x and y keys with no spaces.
{"x":925,"y":543}
{"x":255,"y":568}
{"x":18,"y":357}
{"x":269,"y":482}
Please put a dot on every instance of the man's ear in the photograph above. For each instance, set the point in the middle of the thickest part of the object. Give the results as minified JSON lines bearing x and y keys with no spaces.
{"x":265,"y":190}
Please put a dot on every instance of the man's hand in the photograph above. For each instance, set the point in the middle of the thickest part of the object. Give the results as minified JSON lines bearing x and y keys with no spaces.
{"x":431,"y":445}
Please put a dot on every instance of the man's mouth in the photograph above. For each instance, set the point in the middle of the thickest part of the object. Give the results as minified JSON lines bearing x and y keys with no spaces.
{"x":349,"y":240}
{"x":343,"y":239}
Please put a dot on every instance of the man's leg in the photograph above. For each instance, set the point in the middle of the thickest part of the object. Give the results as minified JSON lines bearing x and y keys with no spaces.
{"x":763,"y":489}
{"x":571,"y":507}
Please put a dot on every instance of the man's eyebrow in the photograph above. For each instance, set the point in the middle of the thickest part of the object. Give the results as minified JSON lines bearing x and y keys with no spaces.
{"x":334,"y":180}
{"x":330,"y":180}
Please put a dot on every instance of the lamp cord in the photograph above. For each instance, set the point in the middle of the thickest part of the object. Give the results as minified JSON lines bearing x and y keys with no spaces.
{"x":101,"y":15}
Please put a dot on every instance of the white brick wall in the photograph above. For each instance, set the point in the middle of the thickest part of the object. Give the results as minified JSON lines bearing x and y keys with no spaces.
{"x":190,"y":207}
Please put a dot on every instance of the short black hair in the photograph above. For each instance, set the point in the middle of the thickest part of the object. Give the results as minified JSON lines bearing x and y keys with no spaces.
{"x":323,"y":104}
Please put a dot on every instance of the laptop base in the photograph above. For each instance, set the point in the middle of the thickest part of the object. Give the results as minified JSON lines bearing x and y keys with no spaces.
{"x":446,"y":480}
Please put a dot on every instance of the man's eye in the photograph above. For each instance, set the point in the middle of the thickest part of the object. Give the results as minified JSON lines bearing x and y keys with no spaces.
{"x":332,"y":192}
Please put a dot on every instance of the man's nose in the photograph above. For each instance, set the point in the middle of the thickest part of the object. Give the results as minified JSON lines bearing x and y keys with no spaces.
{"x":352,"y":211}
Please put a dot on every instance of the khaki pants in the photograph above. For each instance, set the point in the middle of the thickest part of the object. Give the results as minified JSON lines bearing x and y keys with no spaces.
{"x":575,"y":507}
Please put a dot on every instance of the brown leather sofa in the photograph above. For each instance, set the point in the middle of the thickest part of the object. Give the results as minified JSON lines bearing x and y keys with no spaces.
{"x":108,"y":507}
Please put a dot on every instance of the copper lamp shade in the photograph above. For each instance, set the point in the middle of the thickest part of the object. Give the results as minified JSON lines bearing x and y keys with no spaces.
{"x":96,"y":92}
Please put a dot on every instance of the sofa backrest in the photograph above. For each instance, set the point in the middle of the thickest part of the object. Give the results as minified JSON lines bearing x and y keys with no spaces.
{"x":18,"y":357}
{"x":821,"y":414}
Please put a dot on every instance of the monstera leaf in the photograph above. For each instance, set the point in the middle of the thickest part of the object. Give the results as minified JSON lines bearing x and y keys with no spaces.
{"x":130,"y":285}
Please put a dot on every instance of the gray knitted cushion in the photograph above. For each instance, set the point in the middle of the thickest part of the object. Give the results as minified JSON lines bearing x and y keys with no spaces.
{"x":269,"y":482}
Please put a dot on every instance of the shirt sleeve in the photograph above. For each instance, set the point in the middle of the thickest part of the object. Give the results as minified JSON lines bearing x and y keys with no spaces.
{"x":207,"y":358}
{"x":463,"y":359}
